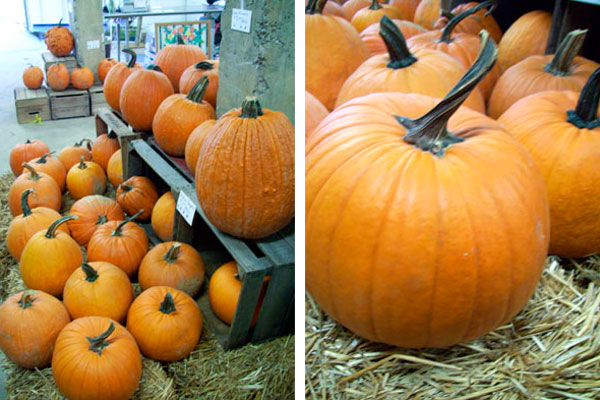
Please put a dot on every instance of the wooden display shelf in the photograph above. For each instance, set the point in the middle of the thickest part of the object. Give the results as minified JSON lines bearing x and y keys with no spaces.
{"x":69,"y":61}
{"x":97,"y":99}
{"x":30,"y":102}
{"x":69,"y":103}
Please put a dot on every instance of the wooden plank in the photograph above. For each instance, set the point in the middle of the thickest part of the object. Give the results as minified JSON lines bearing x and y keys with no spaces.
{"x":251,"y":286}
{"x":159,"y":164}
{"x":69,"y":61}
{"x":69,"y":103}
{"x":29,"y":103}
{"x":152,"y":238}
{"x":176,"y":162}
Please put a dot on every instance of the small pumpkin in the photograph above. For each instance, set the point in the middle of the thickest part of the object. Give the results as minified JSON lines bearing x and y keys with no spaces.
{"x":142,"y":94}
{"x":98,"y":288}
{"x":194,"y":143}
{"x":46,"y":191}
{"x":51,"y":166}
{"x":114,"y":169}
{"x":29,"y":222}
{"x":59,"y":40}
{"x":104,"y":147}
{"x":57,"y":77}
{"x":49,"y":258}
{"x":371,"y":37}
{"x":82,"y":78}
{"x":122,"y":243}
{"x":92,"y":211}
{"x":96,"y":358}
{"x":85,"y":179}
{"x":177,"y":117}
{"x":314,"y":113}
{"x":137,"y":193}
{"x":104,"y":66}
{"x":193,"y":73}
{"x":24,"y":152}
{"x":71,"y":155}
{"x":174,"y":264}
{"x":30,"y":322}
{"x":33,"y":77}
{"x":116,"y":77}
{"x":474,"y":23}
{"x":427,"y":12}
{"x":174,"y":59}
{"x":163,"y":215}
{"x":372,"y":14}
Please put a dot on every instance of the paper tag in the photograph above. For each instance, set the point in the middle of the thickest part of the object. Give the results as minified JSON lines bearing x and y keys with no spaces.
{"x":93,"y":44}
{"x":241,"y":19}
{"x":186,"y":208}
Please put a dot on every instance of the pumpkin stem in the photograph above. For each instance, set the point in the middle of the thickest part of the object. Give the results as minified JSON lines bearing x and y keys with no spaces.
{"x":112,"y":135}
{"x":168,"y":305}
{"x":315,"y":6}
{"x":102,"y":219}
{"x":205,"y":65}
{"x":28,"y":141}
{"x":133,"y":58}
{"x":90,"y":273}
{"x":456,"y":19}
{"x":51,"y":232}
{"x":88,"y":142}
{"x":24,"y":204}
{"x":125,"y":188}
{"x":375,"y":5}
{"x":59,"y":23}
{"x":99,"y":342}
{"x":197,"y":93}
{"x":430,"y":132}
{"x":82,"y":164}
{"x":173,"y":253}
{"x":117,"y":231}
{"x":154,"y":67}
{"x":585,"y":114}
{"x":251,"y":108}
{"x":34,"y":175}
{"x":565,"y":54}
{"x":400,"y":56}
{"x":27,"y":298}
{"x":42,"y":159}
{"x":180,"y":39}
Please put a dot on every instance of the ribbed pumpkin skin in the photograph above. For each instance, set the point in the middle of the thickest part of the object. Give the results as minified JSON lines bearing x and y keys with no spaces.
{"x":46,"y":193}
{"x":191,"y":75}
{"x":528,"y":77}
{"x":113,"y":83}
{"x":142,"y":195}
{"x":59,"y":40}
{"x":415,"y":250}
{"x":233,"y":190}
{"x":109,"y":295}
{"x":103,"y":148}
{"x":407,"y":8}
{"x":141,"y":95}
{"x":314,"y":113}
{"x":92,"y":211}
{"x":24,"y":152}
{"x":161,"y":336}
{"x":27,"y":335}
{"x":81,"y":374}
{"x":194,"y":143}
{"x":351,"y":7}
{"x":163,"y":215}
{"x":427,"y":12}
{"x":370,"y":36}
{"x":104,"y":66}
{"x":82,"y":78}
{"x":333,"y":51}
{"x":33,"y":77}
{"x":434,"y":74}
{"x":175,"y":58}
{"x":114,"y":169}
{"x":71,"y":155}
{"x":175,"y":120}
{"x":568,"y":159}
{"x":86,"y":181}
{"x":365,"y":17}
{"x":474,"y":23}
{"x":52,"y":167}
{"x":527,"y":36}
{"x":57,"y":77}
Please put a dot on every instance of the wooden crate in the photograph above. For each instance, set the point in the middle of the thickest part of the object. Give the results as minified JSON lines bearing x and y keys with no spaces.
{"x":272,"y":256}
{"x":69,"y":103}
{"x":97,"y":99}
{"x":29,"y":102}
{"x":49,"y":59}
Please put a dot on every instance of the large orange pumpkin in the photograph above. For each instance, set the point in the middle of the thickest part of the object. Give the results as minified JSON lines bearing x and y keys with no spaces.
{"x":314,"y":113}
{"x":71,"y":155}
{"x":30,"y":322}
{"x":104,"y":147}
{"x":114,"y":169}
{"x":33,"y":77}
{"x":24,"y":152}
{"x":407,"y":8}
{"x":137,"y":193}
{"x":85,"y":179}
{"x":427,"y":12}
{"x":474,"y":23}
{"x":561,"y":71}
{"x":193,"y":73}
{"x":95,"y":358}
{"x":372,"y":14}
{"x":333,"y":51}
{"x":424,"y":71}
{"x":163,"y":215}
{"x":194,"y":143}
{"x":51,"y":166}
{"x":82,"y":78}
{"x":371,"y":37}
{"x":561,"y":130}
{"x":416,"y":237}
{"x":175,"y":58}
{"x":57,"y":77}
{"x":178,"y":115}
{"x":104,"y":66}
{"x":59,"y":40}
{"x":233,"y":188}
{"x":46,"y":191}
{"x":92,"y":211}
{"x":116,"y":77}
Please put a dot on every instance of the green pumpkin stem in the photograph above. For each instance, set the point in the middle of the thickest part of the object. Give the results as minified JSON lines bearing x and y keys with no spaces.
{"x":99,"y":342}
{"x":28,"y":141}
{"x":205,"y":65}
{"x":82,"y":164}
{"x":59,"y":23}
{"x":173,"y":253}
{"x":251,"y":108}
{"x":42,"y":159}
{"x":133,"y":58}
{"x":24,"y":204}
{"x":585,"y":114}
{"x":90,"y":273}
{"x":375,"y":5}
{"x":27,"y":299}
{"x":456,"y":19}
{"x":51,"y":232}
{"x":125,"y":188}
{"x":154,"y":67}
{"x":117,"y":231}
{"x":180,"y":39}
{"x":34,"y":175}
{"x":168,"y":305}
{"x":197,"y":93}
{"x":565,"y":54}
{"x":88,"y":143}
{"x":315,"y":6}
{"x":430,"y":132}
{"x":400,"y":56}
{"x":102,"y":219}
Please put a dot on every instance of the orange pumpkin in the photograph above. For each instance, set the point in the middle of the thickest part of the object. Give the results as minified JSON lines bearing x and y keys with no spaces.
{"x":23,"y":226}
{"x":141,"y":95}
{"x":474,"y":23}
{"x":328,"y":65}
{"x":427,"y":12}
{"x":175,"y":58}
{"x":137,"y":193}
{"x":104,"y":147}
{"x":116,"y":77}
{"x":92,"y":211}
{"x":372,"y":14}
{"x":165,"y":322}
{"x":194,"y":143}
{"x":57,"y":77}
{"x":82,"y":78}
{"x":314,"y":113}
{"x":174,"y":264}
{"x":423,"y":71}
{"x":52,"y":167}
{"x":24,"y":152}
{"x":59,"y":40}
{"x":104,"y":66}
{"x":407,"y":172}
{"x":98,"y":288}
{"x":193,"y":73}
{"x":85,"y":179}
{"x":351,"y":7}
{"x":407,"y":8}
{"x":163,"y":215}
{"x":96,"y":358}
{"x":46,"y":191}
{"x":114,"y":169}
{"x":122,"y":243}
{"x":177,"y":117}
{"x":334,"y":9}
{"x":71,"y":155}
{"x":370,"y":36}
{"x":30,"y":322}
{"x":49,"y":258}
{"x":235,"y":194}
{"x":33,"y":77}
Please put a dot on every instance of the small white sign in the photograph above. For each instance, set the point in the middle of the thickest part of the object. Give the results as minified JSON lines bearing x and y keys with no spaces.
{"x":241,"y":19}
{"x":186,"y":208}
{"x":93,"y":44}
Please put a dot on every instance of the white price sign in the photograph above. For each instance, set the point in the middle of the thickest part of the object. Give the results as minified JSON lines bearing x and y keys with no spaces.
{"x":93,"y":44}
{"x":241,"y":19}
{"x":186,"y":208}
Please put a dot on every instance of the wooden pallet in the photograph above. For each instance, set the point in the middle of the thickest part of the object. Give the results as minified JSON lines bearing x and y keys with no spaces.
{"x":30,"y":103}
{"x":272,"y":256}
{"x":69,"y":103}
{"x":97,"y":99}
{"x":49,"y":59}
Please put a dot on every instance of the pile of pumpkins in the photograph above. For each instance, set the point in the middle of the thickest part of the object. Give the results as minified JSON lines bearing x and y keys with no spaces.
{"x":437,"y":179}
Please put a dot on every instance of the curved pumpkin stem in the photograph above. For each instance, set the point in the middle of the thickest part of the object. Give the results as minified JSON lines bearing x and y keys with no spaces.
{"x":173,"y":253}
{"x":34,"y":175}
{"x":565,"y":54}
{"x":133,"y":58}
{"x":51,"y":232}
{"x":375,"y":5}
{"x":585,"y":114}
{"x":99,"y":342}
{"x":88,"y":143}
{"x":205,"y":65}
{"x":126,"y":188}
{"x":42,"y":159}
{"x":59,"y":23}
{"x":24,"y":204}
{"x":82,"y":164}
{"x":154,"y":67}
{"x":455,"y":20}
{"x":251,"y":108}
{"x":27,"y":299}
{"x":400,"y":56}
{"x":168,"y":305}
{"x":315,"y":6}
{"x":180,"y":39}
{"x":117,"y":231}
{"x":90,"y":273}
{"x":430,"y":132}
{"x":197,"y":93}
